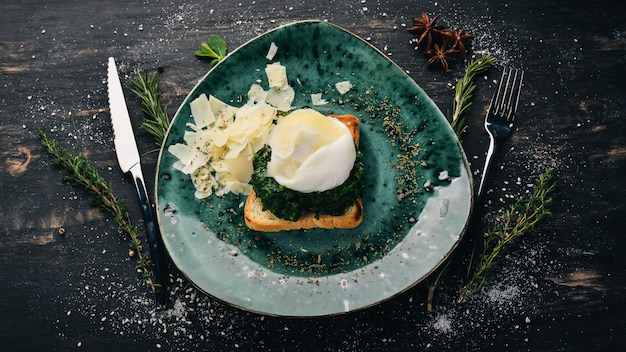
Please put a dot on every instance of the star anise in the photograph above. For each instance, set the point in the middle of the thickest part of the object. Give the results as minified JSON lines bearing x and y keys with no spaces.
{"x":441,"y":56}
{"x":423,"y":28}
{"x":459,"y":40}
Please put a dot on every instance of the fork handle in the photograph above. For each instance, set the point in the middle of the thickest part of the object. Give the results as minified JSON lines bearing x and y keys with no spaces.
{"x":482,"y":189}
{"x":475,"y":227}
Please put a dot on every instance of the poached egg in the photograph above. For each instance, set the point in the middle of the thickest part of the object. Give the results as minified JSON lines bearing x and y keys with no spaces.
{"x":311,"y":152}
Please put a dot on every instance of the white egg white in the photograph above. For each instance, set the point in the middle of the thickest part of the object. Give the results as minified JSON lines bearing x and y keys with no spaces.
{"x":311,"y":152}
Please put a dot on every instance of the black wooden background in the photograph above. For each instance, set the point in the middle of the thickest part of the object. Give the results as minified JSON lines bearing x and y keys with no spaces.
{"x":559,"y":288}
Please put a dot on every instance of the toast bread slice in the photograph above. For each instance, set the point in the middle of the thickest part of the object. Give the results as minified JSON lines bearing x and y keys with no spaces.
{"x":258,"y":218}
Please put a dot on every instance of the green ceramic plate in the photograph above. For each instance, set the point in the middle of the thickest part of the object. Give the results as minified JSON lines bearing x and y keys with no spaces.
{"x":417,"y":191}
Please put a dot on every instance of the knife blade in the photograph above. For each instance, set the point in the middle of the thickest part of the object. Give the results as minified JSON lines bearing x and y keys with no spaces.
{"x":129,"y":160}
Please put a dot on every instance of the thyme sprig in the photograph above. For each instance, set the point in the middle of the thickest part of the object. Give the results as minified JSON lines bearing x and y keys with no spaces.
{"x":157,"y":121}
{"x":78,"y":171}
{"x":519,"y":219}
{"x":464,"y":91}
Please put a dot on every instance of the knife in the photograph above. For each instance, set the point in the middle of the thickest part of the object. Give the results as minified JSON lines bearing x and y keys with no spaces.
{"x":128,"y":158}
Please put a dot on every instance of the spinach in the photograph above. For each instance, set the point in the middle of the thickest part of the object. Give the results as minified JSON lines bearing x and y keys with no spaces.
{"x":290,"y":205}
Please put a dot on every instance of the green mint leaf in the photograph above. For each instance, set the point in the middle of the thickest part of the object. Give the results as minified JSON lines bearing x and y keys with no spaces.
{"x":214,"y":48}
{"x":218,"y":45}
{"x":207,"y":51}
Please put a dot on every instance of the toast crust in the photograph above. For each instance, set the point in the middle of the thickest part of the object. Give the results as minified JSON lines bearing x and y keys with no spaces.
{"x":258,"y":218}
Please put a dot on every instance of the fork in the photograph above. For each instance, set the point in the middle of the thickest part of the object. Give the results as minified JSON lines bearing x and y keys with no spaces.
{"x":500,"y":118}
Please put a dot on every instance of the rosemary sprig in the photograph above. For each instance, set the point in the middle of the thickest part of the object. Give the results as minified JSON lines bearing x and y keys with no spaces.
{"x":215,"y":48}
{"x":464,"y":90}
{"x":79,"y":172}
{"x":146,"y":88}
{"x":519,"y":218}
{"x":157,"y":121}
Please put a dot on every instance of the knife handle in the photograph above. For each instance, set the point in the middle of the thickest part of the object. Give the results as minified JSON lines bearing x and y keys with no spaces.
{"x":157,"y":253}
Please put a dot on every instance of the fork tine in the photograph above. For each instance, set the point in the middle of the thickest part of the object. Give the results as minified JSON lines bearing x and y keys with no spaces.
{"x":514,"y":93}
{"x":505,"y":100}
{"x":494,"y":105}
{"x":503,"y":91}
{"x":519,"y":90}
{"x":512,"y":90}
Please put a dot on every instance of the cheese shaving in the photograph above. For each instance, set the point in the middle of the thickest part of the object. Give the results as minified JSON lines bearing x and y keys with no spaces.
{"x":343,"y":87}
{"x":218,"y":152}
{"x":272,"y":51}
{"x":277,"y":75}
{"x":316,"y":99}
